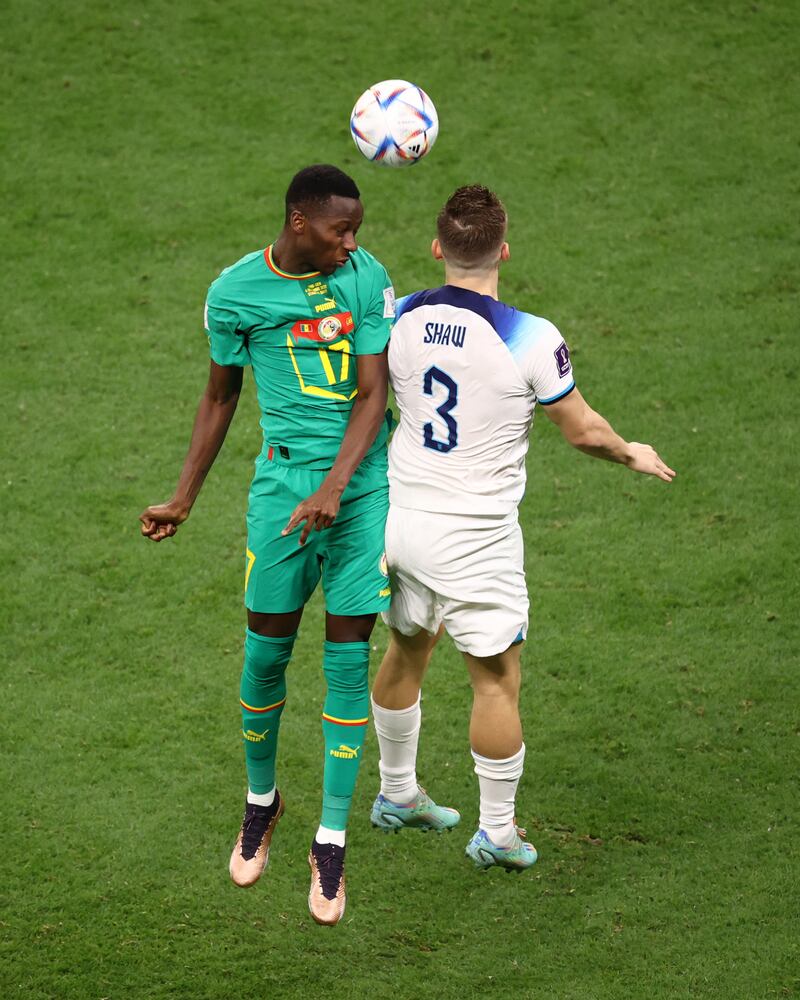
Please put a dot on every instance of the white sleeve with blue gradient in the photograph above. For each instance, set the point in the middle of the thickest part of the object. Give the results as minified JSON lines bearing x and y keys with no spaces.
{"x":547,"y":367}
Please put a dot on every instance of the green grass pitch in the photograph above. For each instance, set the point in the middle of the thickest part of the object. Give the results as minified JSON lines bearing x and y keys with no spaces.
{"x":647,"y":153}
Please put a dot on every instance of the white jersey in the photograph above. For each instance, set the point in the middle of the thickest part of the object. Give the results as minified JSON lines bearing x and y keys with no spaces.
{"x":467,"y":372}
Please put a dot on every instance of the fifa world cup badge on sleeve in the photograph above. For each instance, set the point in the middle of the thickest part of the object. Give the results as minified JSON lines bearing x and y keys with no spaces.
{"x":562,"y":359}
{"x":388,"y":303}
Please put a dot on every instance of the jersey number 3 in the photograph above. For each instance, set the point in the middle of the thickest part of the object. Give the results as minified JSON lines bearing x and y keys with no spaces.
{"x":434,"y":374}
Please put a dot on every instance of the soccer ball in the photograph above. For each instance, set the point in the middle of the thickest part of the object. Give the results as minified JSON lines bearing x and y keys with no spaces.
{"x":394,"y":123}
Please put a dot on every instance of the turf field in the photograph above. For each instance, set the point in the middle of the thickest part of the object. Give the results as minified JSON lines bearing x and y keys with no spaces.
{"x":648,"y":157}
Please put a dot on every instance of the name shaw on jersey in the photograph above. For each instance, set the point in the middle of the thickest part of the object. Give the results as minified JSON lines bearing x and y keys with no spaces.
{"x":444,"y":333}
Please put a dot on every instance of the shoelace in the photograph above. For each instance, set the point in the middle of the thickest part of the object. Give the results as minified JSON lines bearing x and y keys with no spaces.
{"x":330,"y":867}
{"x":253,"y":829}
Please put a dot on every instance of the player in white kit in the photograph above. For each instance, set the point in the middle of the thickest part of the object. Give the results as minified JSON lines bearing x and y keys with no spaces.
{"x":467,"y":372}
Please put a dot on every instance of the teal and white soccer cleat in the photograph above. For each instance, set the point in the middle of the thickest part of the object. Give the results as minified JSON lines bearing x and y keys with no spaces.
{"x":516,"y":858}
{"x":421,"y":814}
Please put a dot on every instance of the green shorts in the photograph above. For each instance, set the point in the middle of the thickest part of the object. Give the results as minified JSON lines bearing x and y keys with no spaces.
{"x":281,"y":575}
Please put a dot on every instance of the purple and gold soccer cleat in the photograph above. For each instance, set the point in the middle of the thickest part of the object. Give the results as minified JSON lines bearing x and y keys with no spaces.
{"x":326,"y":897}
{"x":251,"y":850}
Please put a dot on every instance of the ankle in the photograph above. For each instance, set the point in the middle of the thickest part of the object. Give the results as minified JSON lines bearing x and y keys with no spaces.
{"x":257,"y":799}
{"x":325,"y":835}
{"x":501,"y":836}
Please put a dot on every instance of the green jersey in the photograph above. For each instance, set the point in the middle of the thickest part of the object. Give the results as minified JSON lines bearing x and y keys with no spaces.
{"x":301,"y":333}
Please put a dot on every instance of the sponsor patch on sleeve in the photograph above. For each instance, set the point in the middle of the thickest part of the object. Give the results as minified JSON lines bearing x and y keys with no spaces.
{"x":561,"y":354}
{"x":388,"y":303}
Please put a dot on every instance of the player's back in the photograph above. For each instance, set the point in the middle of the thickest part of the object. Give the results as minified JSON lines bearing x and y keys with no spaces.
{"x":467,"y":371}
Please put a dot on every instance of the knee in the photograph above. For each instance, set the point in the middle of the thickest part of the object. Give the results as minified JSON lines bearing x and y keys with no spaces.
{"x":265,"y":657}
{"x":505,"y":684}
{"x":346,"y":667}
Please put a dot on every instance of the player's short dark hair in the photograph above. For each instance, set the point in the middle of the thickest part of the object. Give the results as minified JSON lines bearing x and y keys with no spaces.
{"x":314,"y":185}
{"x":472,"y":225}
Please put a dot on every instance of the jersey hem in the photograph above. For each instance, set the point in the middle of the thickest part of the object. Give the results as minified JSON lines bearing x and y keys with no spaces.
{"x":560,"y":395}
{"x":414,"y":498}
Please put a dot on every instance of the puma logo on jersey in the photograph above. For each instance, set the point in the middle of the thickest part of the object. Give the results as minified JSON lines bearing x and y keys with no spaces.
{"x":326,"y":304}
{"x":444,"y":333}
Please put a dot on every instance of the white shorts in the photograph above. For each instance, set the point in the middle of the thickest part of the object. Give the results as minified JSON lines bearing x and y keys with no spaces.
{"x":465,"y":570}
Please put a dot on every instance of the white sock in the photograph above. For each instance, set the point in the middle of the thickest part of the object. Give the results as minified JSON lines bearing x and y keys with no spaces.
{"x":327,"y":836}
{"x":261,"y":800}
{"x":398,"y":736}
{"x":498,"y":780}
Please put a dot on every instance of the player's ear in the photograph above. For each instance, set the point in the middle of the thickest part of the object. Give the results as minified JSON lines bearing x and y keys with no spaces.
{"x":436,"y":250}
{"x":297,"y":221}
{"x":505,"y":252}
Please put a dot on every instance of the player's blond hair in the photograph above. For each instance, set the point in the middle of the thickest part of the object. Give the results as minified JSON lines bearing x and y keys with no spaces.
{"x":472,"y":227}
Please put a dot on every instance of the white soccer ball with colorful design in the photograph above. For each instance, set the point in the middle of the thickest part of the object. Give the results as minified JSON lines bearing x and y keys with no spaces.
{"x":394,"y":123}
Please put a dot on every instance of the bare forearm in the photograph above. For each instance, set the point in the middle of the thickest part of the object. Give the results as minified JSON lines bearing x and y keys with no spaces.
{"x":214,"y":414}
{"x":320,"y":510}
{"x":210,"y":427}
{"x":598,"y":438}
{"x":587,"y":430}
{"x":366,"y":417}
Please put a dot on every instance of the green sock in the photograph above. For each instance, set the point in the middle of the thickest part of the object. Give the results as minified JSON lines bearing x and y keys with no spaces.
{"x":344,"y":724}
{"x":262,"y":696}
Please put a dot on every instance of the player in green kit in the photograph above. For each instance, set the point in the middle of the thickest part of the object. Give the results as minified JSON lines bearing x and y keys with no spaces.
{"x":311,"y":315}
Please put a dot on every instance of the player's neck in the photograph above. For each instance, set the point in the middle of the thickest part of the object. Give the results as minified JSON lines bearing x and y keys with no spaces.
{"x":482,"y":282}
{"x":288,"y":257}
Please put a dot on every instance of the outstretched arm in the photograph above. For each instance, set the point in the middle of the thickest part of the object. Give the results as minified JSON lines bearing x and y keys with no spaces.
{"x":214,"y":414}
{"x":587,"y":430}
{"x":369,"y":408}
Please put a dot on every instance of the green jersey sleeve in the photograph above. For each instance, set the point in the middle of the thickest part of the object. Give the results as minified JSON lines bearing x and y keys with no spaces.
{"x":227,"y":342}
{"x":372,"y":333}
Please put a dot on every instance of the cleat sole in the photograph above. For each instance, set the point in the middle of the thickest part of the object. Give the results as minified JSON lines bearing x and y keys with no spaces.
{"x":385,"y":829}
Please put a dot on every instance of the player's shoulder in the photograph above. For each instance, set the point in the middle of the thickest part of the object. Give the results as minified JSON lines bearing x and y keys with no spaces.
{"x":510,"y":324}
{"x":408,"y":303}
{"x":364,"y":263}
{"x":241,"y":270}
{"x":444,"y":295}
{"x":519,"y":328}
{"x":367,"y":281}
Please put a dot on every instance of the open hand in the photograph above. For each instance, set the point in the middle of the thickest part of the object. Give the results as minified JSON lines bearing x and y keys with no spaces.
{"x":647,"y":460}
